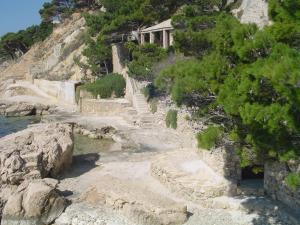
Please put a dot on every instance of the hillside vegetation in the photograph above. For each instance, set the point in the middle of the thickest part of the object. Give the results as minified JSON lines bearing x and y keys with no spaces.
{"x":14,"y":45}
{"x":241,"y":78}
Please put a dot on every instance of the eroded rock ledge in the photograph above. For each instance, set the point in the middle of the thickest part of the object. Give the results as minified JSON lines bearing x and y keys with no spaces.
{"x":41,"y":151}
{"x":27,"y":159}
{"x":14,"y":109}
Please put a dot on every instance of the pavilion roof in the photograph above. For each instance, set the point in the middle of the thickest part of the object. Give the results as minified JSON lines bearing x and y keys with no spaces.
{"x":165,"y":25}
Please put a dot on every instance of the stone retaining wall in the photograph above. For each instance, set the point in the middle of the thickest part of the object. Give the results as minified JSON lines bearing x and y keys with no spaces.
{"x":275,"y":186}
{"x":103,"y":107}
{"x":119,"y":56}
{"x":224,"y":161}
{"x":61,"y":90}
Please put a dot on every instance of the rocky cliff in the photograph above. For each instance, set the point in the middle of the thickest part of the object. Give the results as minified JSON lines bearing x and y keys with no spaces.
{"x":253,"y":11}
{"x":52,"y":59}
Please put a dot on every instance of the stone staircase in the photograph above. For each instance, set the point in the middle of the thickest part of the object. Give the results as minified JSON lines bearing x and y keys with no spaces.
{"x":146,"y":119}
{"x":130,"y":115}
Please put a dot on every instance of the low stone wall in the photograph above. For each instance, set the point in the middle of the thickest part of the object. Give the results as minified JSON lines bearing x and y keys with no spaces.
{"x":275,"y":186}
{"x":103,"y":107}
{"x":61,"y":90}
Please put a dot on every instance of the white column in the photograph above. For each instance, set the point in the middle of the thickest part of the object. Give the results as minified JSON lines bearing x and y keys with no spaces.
{"x":165,"y":39}
{"x":171,"y":38}
{"x":142,"y":39}
{"x":152,"y":38}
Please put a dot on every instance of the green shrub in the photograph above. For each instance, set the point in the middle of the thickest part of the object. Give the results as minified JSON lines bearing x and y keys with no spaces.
{"x":153,"y":105}
{"x":210,"y":137}
{"x":144,"y":58}
{"x":171,"y":119}
{"x":293,"y":181}
{"x":149,"y":91}
{"x":111,"y":84}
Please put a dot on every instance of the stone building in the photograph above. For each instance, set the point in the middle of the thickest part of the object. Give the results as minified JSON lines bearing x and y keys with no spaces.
{"x":161,"y":34}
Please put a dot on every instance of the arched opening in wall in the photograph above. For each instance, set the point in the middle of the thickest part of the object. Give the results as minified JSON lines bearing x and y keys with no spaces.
{"x":253,"y":172}
{"x":252,"y":182}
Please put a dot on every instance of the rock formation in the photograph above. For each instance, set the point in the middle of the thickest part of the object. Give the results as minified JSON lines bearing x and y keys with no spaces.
{"x":53,"y":58}
{"x":34,"y":203}
{"x":253,"y":11}
{"x":37,"y":152}
{"x":14,"y":109}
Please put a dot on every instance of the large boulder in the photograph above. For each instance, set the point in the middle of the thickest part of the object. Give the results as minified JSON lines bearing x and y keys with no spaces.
{"x":34,"y":203}
{"x":44,"y":150}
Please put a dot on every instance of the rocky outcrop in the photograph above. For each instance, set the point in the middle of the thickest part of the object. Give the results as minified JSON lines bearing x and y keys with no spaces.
{"x":40,"y":151}
{"x":15,"y":109}
{"x":34,"y":203}
{"x":53,"y":59}
{"x":277,"y":188}
{"x":140,"y":205}
{"x":253,"y":11}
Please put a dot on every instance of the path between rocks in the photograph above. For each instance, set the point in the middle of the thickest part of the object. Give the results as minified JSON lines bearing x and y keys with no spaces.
{"x":95,"y":179}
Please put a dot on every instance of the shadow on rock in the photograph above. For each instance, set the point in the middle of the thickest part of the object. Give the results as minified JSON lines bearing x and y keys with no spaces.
{"x":82,"y":164}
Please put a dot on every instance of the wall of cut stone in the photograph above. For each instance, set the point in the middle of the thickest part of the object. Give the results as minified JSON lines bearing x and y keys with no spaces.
{"x":275,"y":185}
{"x":63,"y":91}
{"x":119,"y":56}
{"x":103,"y":107}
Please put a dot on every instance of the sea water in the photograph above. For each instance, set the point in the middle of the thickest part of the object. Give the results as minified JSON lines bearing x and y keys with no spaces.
{"x":9,"y":125}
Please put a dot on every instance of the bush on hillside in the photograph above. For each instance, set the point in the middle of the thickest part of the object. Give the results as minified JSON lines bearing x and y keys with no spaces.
{"x":171,"y":119}
{"x":210,"y":137}
{"x":293,"y":181}
{"x":108,"y":86}
{"x":144,"y":58}
{"x":153,"y":105}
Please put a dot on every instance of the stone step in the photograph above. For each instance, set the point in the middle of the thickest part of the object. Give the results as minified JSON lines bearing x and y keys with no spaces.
{"x":136,"y":202}
{"x":183,"y":173}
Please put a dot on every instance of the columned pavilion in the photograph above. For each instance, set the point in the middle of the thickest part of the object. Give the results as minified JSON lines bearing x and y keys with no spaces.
{"x":161,"y":34}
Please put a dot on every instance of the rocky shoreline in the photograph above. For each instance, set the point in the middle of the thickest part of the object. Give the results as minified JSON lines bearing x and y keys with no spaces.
{"x":27,"y":160}
{"x":137,"y":183}
{"x":17,"y":109}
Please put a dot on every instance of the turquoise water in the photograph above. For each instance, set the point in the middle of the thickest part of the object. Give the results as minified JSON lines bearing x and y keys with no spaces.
{"x":85,"y":145}
{"x":15,"y":124}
